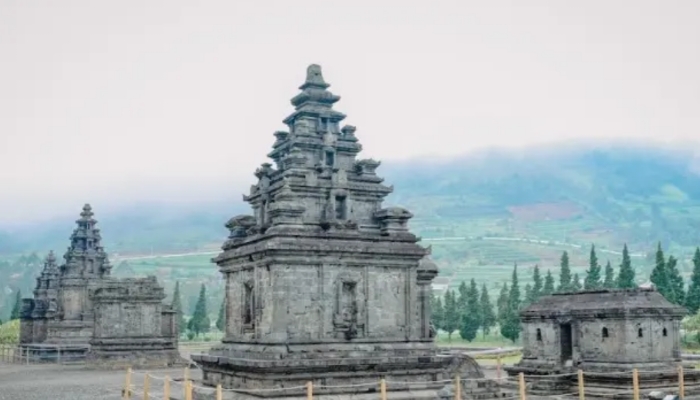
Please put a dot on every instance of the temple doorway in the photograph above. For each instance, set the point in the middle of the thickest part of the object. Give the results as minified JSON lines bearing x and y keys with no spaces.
{"x":566,"y":342}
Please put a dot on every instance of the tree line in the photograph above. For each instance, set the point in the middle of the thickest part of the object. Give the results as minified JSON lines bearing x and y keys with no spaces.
{"x":469,"y":309}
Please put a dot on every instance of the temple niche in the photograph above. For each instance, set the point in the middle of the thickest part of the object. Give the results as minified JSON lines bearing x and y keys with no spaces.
{"x":323,"y":283}
{"x":78,"y":310}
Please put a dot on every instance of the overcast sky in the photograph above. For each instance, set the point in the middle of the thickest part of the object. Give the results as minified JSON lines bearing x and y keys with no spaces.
{"x":114,"y":101}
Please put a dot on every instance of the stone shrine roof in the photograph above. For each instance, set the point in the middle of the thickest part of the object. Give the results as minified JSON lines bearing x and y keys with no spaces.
{"x":604,"y":303}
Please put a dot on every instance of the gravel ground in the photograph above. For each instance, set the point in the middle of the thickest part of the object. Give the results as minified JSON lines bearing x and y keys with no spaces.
{"x":53,"y":382}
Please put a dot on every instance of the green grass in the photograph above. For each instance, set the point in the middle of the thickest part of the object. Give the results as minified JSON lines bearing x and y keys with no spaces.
{"x":491,"y":340}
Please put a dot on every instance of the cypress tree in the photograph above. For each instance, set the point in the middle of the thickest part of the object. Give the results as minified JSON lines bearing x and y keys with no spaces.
{"x":692,"y":299}
{"x":675,"y":281}
{"x":200,"y":323}
{"x":451,"y":316}
{"x":564,"y":273}
{"x":659,"y":275}
{"x":511,"y":326}
{"x":548,"y":284}
{"x":488,"y":317}
{"x":625,"y":278}
{"x":14,"y":314}
{"x":502,"y":304}
{"x":609,"y":281}
{"x":528,"y":294}
{"x":462,"y":298}
{"x":177,"y":307}
{"x":537,"y":285}
{"x":592,"y":280}
{"x":471,"y":319}
{"x":575,"y":283}
{"x":221,"y":319}
{"x":436,"y":312}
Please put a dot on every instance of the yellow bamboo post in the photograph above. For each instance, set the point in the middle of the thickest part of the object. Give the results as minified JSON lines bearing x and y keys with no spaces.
{"x":681,"y":383}
{"x":309,"y":390}
{"x":220,"y":392}
{"x":581,"y":390}
{"x":146,"y":386}
{"x":127,"y":385}
{"x":382,"y":389}
{"x":458,"y":387}
{"x":188,"y":390}
{"x":187,"y":374}
{"x":166,"y":388}
{"x":635,"y":384}
{"x":521,"y":385}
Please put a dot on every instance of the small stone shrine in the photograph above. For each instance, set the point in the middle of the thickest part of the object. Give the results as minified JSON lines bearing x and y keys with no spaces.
{"x":132,"y":326}
{"x":606,"y":333}
{"x":323,"y":284}
{"x":75,"y":305}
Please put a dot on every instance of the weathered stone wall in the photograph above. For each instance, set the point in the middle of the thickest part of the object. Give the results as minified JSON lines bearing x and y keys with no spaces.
{"x":301,"y":302}
{"x":548,"y":347}
{"x":127,"y":319}
{"x":39,"y":330}
{"x":168,"y":323}
{"x":71,"y":302}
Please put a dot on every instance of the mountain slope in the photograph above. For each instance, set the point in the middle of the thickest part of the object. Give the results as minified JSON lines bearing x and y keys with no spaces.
{"x":481,"y":213}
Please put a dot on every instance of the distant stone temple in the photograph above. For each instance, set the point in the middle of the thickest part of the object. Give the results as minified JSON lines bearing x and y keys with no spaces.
{"x":323,"y":284}
{"x":79,"y":309}
{"x":605,"y":333}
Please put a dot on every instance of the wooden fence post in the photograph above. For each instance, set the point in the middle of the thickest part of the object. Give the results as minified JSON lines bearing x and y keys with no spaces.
{"x":635,"y":384}
{"x":681,"y":383}
{"x":382,"y":389}
{"x":309,"y":390}
{"x":146,"y":386}
{"x":188,"y":390}
{"x":521,"y":385}
{"x":127,"y":385}
{"x":458,"y":387}
{"x":581,"y":390}
{"x":166,"y":388}
{"x":220,"y":392}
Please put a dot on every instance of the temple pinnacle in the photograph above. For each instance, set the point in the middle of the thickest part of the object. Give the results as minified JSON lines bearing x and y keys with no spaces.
{"x":314,"y":78}
{"x":87,"y":211}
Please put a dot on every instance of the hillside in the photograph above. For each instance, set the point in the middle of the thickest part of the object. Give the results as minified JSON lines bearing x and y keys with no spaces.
{"x":481,"y":214}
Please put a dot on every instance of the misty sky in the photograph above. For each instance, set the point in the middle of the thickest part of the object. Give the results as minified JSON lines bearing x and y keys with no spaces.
{"x":114,"y":101}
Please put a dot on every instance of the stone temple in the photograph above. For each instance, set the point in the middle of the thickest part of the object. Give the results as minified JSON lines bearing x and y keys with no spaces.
{"x":79,"y":311}
{"x":323,"y":284}
{"x":605,"y":333}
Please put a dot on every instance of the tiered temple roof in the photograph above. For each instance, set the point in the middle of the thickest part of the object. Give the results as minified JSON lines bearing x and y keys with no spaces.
{"x":316,"y":174}
{"x":86,"y":258}
{"x":46,"y":290}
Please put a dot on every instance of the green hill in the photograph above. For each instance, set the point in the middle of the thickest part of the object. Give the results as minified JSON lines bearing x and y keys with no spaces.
{"x":481,"y":214}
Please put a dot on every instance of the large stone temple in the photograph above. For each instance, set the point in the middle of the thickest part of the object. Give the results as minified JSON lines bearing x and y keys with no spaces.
{"x":79,"y":311}
{"x":323,"y":283}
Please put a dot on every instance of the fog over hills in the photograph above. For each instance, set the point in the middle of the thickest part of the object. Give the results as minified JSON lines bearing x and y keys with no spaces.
{"x":577,"y":193}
